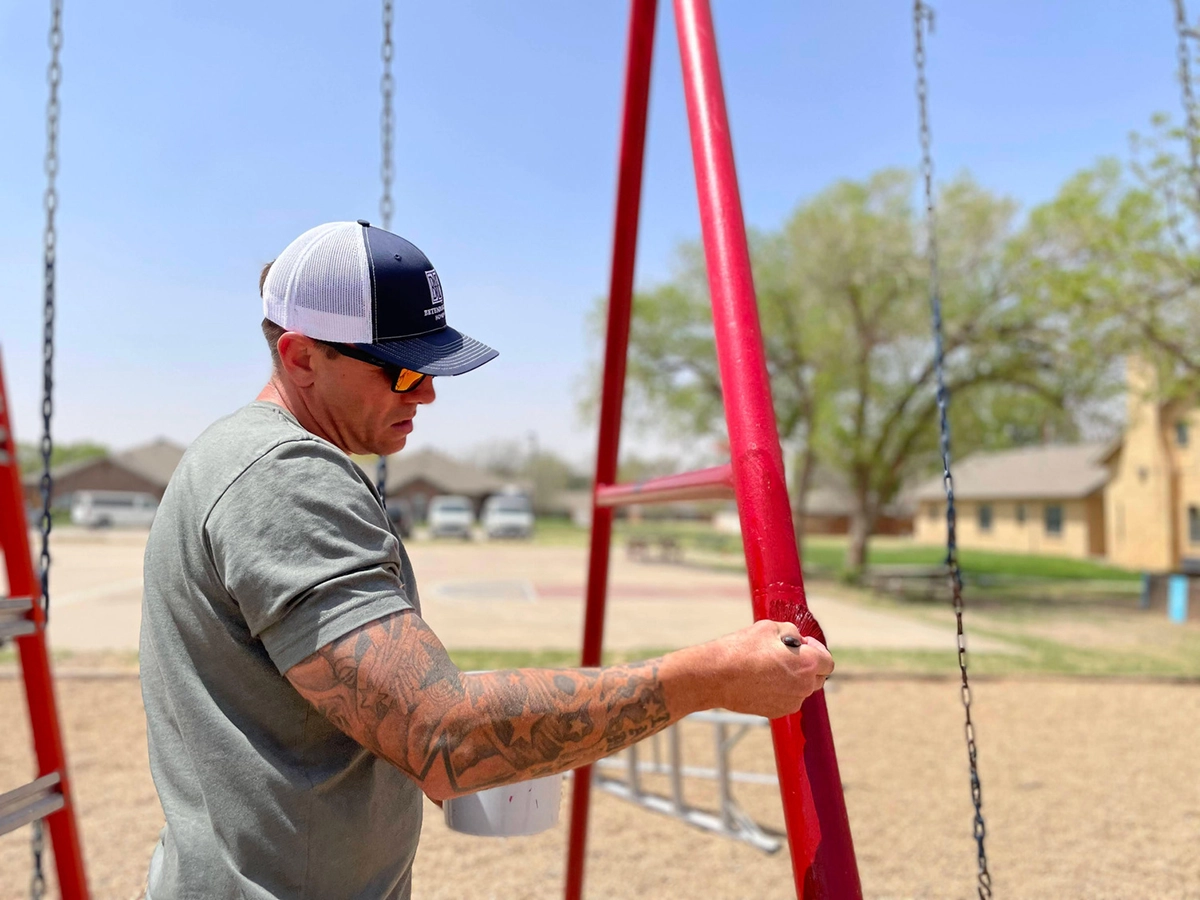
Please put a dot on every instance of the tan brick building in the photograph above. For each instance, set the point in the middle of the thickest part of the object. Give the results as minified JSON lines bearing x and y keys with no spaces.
{"x":1045,"y":500}
{"x":1134,"y":502}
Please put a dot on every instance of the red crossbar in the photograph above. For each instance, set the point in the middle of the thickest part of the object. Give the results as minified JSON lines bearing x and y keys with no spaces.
{"x":35,"y":663}
{"x":822,"y":854}
{"x":703,"y":484}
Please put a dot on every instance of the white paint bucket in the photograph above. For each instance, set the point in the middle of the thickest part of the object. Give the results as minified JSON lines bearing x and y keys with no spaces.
{"x":526,"y":807}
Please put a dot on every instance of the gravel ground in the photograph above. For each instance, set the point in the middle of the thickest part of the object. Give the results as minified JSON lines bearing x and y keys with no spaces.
{"x":1091,"y":790}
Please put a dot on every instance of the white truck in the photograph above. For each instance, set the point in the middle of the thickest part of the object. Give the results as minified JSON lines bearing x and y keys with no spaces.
{"x":507,"y":516}
{"x":450,"y":515}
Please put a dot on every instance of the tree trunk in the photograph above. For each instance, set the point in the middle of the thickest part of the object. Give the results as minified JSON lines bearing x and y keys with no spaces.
{"x":862,"y":523}
{"x":856,"y":550}
{"x":800,"y":502}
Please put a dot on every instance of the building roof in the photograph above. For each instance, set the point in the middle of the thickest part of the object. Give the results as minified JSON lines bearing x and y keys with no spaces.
{"x":1027,"y":473}
{"x":829,"y":494}
{"x":155,"y":462}
{"x":447,"y":473}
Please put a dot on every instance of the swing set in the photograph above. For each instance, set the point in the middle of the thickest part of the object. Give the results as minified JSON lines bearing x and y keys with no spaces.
{"x":818,"y":831}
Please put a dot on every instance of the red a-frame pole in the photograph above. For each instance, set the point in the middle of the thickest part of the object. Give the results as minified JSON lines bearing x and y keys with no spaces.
{"x":48,"y":797}
{"x":818,"y":829}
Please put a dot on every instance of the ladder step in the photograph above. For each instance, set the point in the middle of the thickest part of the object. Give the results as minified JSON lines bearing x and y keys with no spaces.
{"x":31,"y":802}
{"x":703,"y":484}
{"x":14,"y":621}
{"x":15,"y":605}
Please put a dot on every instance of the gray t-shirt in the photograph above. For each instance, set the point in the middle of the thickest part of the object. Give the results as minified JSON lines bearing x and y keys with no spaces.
{"x":269,"y":543}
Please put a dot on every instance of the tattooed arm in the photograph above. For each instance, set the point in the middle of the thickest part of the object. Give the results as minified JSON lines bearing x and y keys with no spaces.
{"x":391,"y":686}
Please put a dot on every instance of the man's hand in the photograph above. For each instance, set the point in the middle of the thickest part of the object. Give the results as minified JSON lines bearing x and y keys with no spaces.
{"x":754,"y":671}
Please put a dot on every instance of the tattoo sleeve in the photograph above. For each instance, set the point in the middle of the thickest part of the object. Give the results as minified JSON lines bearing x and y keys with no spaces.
{"x":391,"y":686}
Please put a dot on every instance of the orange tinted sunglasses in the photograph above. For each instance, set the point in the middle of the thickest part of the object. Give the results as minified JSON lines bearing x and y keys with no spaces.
{"x":403,"y":380}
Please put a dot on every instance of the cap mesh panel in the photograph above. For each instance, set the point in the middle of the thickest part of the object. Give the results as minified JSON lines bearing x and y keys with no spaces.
{"x":320,"y":285}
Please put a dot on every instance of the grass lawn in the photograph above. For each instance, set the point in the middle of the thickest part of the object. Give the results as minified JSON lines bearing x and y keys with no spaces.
{"x":829,"y":553}
{"x":824,"y":556}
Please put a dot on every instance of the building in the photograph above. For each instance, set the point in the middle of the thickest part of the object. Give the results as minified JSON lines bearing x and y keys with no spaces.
{"x":1152,"y":502}
{"x":146,"y":469}
{"x":830,"y":502}
{"x":418,"y":476}
{"x":1134,"y":502}
{"x":1044,"y":500}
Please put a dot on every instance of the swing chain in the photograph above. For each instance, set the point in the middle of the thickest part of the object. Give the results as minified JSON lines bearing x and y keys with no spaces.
{"x":49,"y":249}
{"x":923,"y":17}
{"x":1186,"y":34}
{"x":386,"y":171}
{"x":386,"y":122}
{"x":37,"y":883}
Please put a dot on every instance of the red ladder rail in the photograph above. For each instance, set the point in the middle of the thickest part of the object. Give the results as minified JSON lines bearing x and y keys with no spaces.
{"x":50,"y":794}
{"x":704,"y":484}
{"x":819,"y":840}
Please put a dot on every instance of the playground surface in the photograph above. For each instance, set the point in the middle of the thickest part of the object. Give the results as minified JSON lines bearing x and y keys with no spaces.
{"x":1090,"y":785}
{"x":1090,"y":791}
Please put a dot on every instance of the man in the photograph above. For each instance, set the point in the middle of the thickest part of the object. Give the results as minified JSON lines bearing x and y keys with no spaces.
{"x":297,"y":704}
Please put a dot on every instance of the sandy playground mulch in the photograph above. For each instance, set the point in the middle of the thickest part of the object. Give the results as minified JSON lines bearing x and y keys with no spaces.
{"x":1091,"y":790}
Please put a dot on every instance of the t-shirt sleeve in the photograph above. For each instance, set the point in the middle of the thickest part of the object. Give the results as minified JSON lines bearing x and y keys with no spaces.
{"x":302,"y":546}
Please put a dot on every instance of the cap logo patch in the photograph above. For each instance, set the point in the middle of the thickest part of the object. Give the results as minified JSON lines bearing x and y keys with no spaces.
{"x":435,"y":295}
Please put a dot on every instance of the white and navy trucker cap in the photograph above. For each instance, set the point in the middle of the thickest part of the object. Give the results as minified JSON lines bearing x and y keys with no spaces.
{"x":352,"y":283}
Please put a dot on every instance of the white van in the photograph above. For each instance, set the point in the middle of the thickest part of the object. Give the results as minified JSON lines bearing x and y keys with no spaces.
{"x":100,"y":509}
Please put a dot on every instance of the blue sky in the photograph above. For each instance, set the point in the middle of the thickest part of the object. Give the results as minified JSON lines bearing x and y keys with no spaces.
{"x":199,"y":139}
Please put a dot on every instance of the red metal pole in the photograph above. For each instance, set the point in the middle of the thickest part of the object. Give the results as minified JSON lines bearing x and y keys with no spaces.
{"x":35,"y":663}
{"x":818,"y":830}
{"x":620,"y":301}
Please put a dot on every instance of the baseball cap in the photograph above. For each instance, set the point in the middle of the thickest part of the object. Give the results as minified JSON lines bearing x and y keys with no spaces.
{"x":353,"y":283}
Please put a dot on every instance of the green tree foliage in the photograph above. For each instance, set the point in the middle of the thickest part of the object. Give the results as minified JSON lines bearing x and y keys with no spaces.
{"x":29,"y":456}
{"x":543,"y":473}
{"x":843,"y":298}
{"x":1117,"y":251}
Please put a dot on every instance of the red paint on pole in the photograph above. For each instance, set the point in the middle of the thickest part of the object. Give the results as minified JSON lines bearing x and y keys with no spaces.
{"x":620,"y":301}
{"x":818,"y":831}
{"x":703,"y":484}
{"x":35,"y":663}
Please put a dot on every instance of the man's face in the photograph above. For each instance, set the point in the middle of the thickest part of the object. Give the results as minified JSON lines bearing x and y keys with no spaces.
{"x":354,"y":404}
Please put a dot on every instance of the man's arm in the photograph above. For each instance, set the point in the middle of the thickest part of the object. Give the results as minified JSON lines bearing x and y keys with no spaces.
{"x":391,"y":686}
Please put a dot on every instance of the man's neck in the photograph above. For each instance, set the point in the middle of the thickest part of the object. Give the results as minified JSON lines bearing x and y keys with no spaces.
{"x":275,"y":391}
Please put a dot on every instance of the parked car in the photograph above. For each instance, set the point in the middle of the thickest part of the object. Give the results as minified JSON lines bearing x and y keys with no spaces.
{"x":450,"y":516}
{"x":507,"y":516}
{"x":400,"y":512}
{"x":102,"y":509}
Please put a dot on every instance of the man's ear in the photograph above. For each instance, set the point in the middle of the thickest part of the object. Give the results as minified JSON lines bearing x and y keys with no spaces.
{"x":296,"y":353}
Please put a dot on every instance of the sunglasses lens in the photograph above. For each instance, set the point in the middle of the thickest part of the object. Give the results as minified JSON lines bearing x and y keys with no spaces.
{"x":406,"y":380}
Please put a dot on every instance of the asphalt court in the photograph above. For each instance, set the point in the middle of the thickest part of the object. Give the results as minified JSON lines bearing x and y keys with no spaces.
{"x":491,"y":595}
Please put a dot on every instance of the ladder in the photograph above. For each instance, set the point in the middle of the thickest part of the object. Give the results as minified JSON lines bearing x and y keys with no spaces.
{"x":818,"y":830}
{"x":48,"y":796}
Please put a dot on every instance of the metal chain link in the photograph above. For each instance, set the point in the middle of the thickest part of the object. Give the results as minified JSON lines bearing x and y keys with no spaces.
{"x":49,"y":250}
{"x":37,"y":881}
{"x":386,"y":121}
{"x":922,"y":19}
{"x":1183,"y":52}
{"x":387,"y":174}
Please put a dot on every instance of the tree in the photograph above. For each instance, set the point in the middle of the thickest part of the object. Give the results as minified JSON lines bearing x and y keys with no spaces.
{"x":543,"y":473}
{"x":29,"y":456}
{"x":843,"y":298}
{"x":1117,"y":252}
